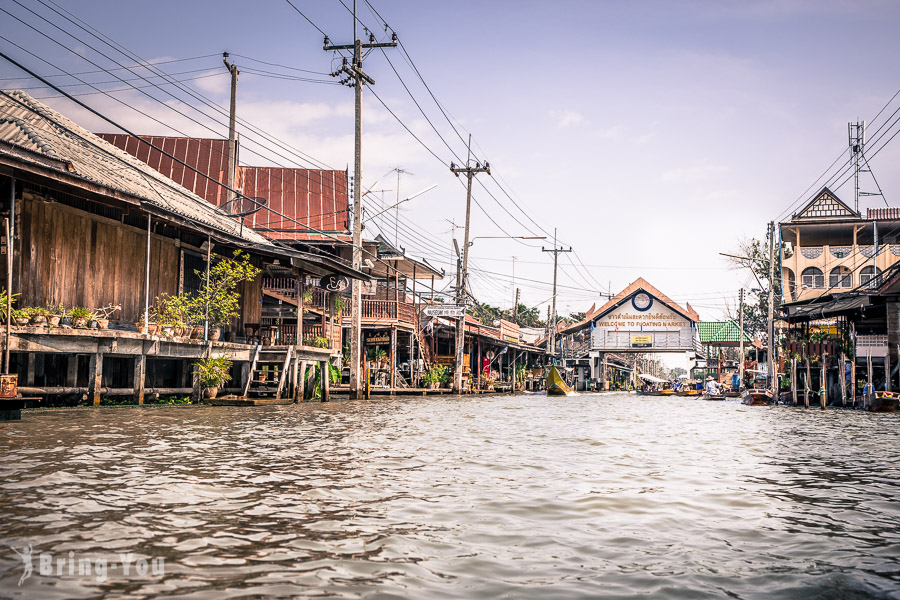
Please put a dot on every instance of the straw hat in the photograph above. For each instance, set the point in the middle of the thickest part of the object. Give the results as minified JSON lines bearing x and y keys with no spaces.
{"x":709,"y":378}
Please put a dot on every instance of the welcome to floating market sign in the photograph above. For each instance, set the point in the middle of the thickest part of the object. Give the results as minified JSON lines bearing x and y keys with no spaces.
{"x":642,"y":321}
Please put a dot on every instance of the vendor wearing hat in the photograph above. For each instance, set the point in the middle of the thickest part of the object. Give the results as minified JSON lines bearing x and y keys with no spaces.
{"x":711,"y":387}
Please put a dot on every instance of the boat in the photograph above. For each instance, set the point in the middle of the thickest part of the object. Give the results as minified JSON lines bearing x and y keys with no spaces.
{"x":756,"y":397}
{"x":666,"y":392}
{"x":732,"y":394}
{"x":884,"y":402}
{"x":556,"y":385}
{"x":708,"y":396}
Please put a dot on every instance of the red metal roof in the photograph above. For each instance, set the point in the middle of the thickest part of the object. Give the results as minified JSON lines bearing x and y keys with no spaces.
{"x":209,"y":156}
{"x":883,"y":214}
{"x":316,"y":198}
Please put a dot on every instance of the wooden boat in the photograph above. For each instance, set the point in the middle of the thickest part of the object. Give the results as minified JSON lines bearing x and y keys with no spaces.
{"x":732,"y":394}
{"x":708,"y":396}
{"x":556,"y":385}
{"x":756,"y":397}
{"x":884,"y":402}
{"x":666,"y":392}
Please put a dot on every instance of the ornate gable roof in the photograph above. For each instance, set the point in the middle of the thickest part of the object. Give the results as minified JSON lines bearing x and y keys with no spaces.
{"x":641,"y":284}
{"x":826,"y":205}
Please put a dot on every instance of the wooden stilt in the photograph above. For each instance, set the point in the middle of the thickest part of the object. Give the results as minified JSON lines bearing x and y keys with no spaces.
{"x":72,"y":370}
{"x":842,"y":369}
{"x":868,"y":397}
{"x":887,"y":371}
{"x":295,"y":364}
{"x":300,"y":386}
{"x":140,"y":368}
{"x":794,"y":379}
{"x":95,"y":378}
{"x":823,"y":385}
{"x":393,"y":357}
{"x":853,"y":381}
{"x":29,"y":374}
{"x":807,"y":386}
{"x":326,"y":380}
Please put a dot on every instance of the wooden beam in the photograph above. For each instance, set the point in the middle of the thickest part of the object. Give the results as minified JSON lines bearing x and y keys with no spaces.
{"x":300,"y":386}
{"x":72,"y":370}
{"x":253,"y":363}
{"x":283,"y":375}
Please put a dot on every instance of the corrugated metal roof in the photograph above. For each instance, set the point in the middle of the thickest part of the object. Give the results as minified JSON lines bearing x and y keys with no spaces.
{"x":317,"y":198}
{"x":207,"y":155}
{"x":34,"y":126}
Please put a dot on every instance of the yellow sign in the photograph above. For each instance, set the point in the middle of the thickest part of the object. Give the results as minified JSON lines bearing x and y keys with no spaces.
{"x":641,"y":341}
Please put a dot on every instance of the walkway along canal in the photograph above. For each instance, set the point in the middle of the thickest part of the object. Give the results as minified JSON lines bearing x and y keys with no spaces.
{"x":595,"y":495}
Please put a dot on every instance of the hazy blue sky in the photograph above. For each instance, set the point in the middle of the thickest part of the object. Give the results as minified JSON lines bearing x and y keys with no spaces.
{"x":654,"y":135}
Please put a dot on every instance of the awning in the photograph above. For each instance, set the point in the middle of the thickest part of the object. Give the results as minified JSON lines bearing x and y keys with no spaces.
{"x":651,"y":378}
{"x":838,"y":305}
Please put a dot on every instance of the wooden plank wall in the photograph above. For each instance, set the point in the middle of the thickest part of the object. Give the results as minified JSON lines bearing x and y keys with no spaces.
{"x":66,"y":256}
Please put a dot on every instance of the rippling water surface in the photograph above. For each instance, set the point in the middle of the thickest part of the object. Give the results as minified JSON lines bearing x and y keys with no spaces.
{"x":600,"y":495}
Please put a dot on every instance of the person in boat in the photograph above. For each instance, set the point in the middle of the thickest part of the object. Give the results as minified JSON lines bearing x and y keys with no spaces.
{"x":711,"y":387}
{"x":735,"y":383}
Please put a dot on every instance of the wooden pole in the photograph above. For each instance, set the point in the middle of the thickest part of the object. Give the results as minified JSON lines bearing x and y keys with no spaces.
{"x":793,"y":379}
{"x":140,"y":372}
{"x":326,"y":380}
{"x":823,"y":384}
{"x":300,"y":279}
{"x":868,"y":397}
{"x":741,"y":344}
{"x":147,"y":278}
{"x":393,"y":356}
{"x":9,"y":263}
{"x":807,"y":386}
{"x":853,"y":381}
{"x":95,"y":378}
{"x":843,"y":380}
{"x":206,"y":314}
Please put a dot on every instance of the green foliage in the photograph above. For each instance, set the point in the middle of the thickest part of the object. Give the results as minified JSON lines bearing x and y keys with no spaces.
{"x":214,"y":371}
{"x":315,"y":374}
{"x":220,"y":292}
{"x":338,"y":303}
{"x":320,"y":342}
{"x":380,"y":355}
{"x":436,"y":374}
{"x":521,"y":373}
{"x":80,"y":312}
{"x":171,"y":400}
{"x":18,"y":313}
{"x":525,"y":317}
{"x":4,"y":300}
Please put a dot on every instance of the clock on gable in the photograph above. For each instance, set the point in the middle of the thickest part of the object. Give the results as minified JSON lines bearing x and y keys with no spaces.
{"x":642,"y":301}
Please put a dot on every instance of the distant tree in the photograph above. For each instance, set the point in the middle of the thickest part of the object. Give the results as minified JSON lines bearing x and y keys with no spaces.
{"x":577,"y":317}
{"x":755,"y":255}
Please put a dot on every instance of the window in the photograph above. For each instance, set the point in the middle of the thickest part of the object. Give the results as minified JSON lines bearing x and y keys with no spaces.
{"x":840,"y":278}
{"x":812,"y":278}
{"x":791,"y":284}
{"x":870,"y":276}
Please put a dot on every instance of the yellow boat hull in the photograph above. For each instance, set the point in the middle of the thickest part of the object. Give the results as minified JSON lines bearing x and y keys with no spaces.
{"x":556,"y":385}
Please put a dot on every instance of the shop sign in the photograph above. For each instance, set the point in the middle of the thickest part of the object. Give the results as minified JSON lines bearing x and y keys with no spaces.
{"x":444,"y":310}
{"x":334,"y":283}
{"x":378,"y":338}
{"x":641,"y":341}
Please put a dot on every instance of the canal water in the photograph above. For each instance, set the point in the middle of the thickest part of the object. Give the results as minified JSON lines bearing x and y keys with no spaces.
{"x":593,"y":496}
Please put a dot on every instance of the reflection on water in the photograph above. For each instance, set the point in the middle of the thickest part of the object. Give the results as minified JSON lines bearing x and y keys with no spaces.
{"x":600,"y":495}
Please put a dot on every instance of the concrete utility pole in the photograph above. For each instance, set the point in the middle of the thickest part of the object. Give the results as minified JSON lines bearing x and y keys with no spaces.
{"x":358,"y":78}
{"x":232,"y":117}
{"x":516,"y":307}
{"x":773,"y":376}
{"x":741,"y":348}
{"x":469,"y":172}
{"x":551,"y":337}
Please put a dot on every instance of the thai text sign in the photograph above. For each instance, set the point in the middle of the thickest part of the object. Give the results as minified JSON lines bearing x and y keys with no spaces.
{"x":658,"y":318}
{"x":641,"y":341}
{"x":446,"y":310}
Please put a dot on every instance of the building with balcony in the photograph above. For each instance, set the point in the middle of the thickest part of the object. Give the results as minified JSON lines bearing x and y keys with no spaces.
{"x":829,"y":248}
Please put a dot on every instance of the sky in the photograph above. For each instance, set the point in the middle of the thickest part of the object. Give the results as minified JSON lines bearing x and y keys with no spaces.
{"x":650,"y":136}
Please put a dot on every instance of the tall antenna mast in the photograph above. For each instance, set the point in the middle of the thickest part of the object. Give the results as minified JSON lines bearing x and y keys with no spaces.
{"x":856,"y":137}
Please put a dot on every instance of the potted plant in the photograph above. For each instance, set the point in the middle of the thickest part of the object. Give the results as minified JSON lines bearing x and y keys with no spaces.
{"x":381,"y":357}
{"x":79,"y":316}
{"x":218,"y":300}
{"x":4,"y":300}
{"x":38,"y":315}
{"x":20,"y":316}
{"x":55,"y":314}
{"x":435,"y":376}
{"x":213,"y":373}
{"x":102,"y":315}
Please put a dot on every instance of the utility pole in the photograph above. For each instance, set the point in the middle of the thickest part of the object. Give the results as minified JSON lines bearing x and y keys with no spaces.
{"x":516,"y":307}
{"x":741,"y":350}
{"x":470,"y":172}
{"x":856,"y":137}
{"x":772,"y":374}
{"x":358,"y":77}
{"x":232,"y":117}
{"x":551,"y":339}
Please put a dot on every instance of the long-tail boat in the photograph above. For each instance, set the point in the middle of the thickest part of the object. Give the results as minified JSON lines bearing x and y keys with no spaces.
{"x":756,"y":397}
{"x":884,"y":402}
{"x":713,"y":396}
{"x":556,"y":385}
